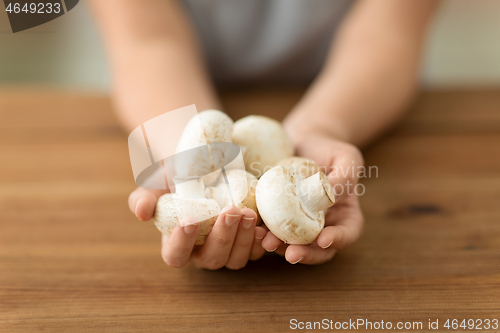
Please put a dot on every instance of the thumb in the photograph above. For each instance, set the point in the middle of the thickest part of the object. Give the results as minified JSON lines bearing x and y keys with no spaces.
{"x":343,"y":174}
{"x":142,"y":202}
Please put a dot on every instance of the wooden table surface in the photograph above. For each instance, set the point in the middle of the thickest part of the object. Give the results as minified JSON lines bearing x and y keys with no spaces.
{"x":73,"y":258}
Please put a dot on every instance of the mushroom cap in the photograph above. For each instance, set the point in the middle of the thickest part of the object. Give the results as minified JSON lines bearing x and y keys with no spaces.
{"x":242,"y":185}
{"x":216,"y":126}
{"x":282,"y":210}
{"x":305,"y":166}
{"x":207,"y":127}
{"x":266,"y":142}
{"x":170,"y":209}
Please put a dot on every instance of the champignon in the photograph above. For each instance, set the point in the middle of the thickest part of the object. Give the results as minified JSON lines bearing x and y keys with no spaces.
{"x":265,"y":141}
{"x":207,"y":127}
{"x":188,"y":200}
{"x":292,"y":206}
{"x":241,"y":190}
{"x":304,"y":166}
{"x":216,"y":126}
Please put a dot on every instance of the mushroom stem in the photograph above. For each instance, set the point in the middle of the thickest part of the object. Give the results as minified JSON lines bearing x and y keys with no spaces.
{"x":193,"y":188}
{"x":316,"y":193}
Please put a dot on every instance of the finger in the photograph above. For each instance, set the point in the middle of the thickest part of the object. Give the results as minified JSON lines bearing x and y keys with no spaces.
{"x":344,"y":169}
{"x":214,"y":254}
{"x":344,"y":231}
{"x":243,"y":241}
{"x":308,"y":254}
{"x":142,"y":202}
{"x":281,"y":249}
{"x":339,"y":236}
{"x":270,"y":242}
{"x":257,"y":250}
{"x":177,"y":248}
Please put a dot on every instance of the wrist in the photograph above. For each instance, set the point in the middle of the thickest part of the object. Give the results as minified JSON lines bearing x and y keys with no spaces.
{"x":300,"y":125}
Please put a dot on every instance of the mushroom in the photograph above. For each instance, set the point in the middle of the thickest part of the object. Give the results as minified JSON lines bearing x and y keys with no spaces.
{"x":188,"y":200}
{"x":240,"y":189}
{"x":265,"y":141}
{"x":291,"y":205}
{"x":304,"y":166}
{"x":216,"y":126}
{"x":207,"y":127}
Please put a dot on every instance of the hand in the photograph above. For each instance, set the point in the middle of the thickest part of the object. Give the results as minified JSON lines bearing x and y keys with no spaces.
{"x":344,"y":220}
{"x":234,"y":239}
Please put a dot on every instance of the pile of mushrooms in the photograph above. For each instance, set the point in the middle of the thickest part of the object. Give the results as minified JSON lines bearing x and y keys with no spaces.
{"x":289,"y":193}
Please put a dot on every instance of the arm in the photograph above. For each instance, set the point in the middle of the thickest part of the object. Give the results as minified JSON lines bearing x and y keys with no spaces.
{"x":155,"y":59}
{"x":157,"y":67}
{"x":369,"y":77}
{"x":370,"y":74}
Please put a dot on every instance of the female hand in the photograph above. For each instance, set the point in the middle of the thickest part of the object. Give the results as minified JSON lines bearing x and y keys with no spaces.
{"x":234,"y":239}
{"x":344,"y":220}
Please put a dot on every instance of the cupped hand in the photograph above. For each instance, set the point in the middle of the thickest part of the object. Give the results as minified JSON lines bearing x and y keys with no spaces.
{"x":343,"y":221}
{"x":233,"y":241}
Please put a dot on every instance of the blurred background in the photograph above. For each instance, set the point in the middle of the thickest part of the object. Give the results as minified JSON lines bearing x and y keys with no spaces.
{"x":463,"y":50}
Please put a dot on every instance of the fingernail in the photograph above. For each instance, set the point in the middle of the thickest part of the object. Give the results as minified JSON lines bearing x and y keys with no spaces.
{"x":293,"y":263}
{"x":231,"y":219}
{"x":259,"y":238}
{"x":248,"y":222}
{"x":137,"y":206}
{"x":272,"y":250}
{"x":325,"y":247}
{"x":189,"y":229}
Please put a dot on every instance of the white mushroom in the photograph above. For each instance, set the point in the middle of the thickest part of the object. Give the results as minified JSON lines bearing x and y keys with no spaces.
{"x":207,"y":127}
{"x":265,"y":140}
{"x":304,"y":166}
{"x":194,"y":158}
{"x":292,"y":206}
{"x":241,"y":190}
{"x":216,"y":126}
{"x":189,"y":200}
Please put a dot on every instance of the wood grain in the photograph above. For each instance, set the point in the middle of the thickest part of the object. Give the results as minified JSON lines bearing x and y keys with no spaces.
{"x":72,"y":257}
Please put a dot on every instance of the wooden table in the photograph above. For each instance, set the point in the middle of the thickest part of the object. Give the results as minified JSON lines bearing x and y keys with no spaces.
{"x":73,"y":258}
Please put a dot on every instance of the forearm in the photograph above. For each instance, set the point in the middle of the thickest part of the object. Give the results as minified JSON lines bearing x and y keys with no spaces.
{"x":155,"y":59}
{"x":370,"y":74}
